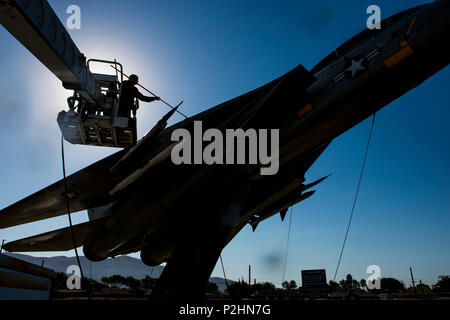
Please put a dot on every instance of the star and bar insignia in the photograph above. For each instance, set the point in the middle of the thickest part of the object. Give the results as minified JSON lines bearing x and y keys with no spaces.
{"x":356,"y":66}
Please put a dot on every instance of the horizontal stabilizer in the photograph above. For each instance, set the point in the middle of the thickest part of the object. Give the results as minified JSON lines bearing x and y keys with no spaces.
{"x":57,"y":240}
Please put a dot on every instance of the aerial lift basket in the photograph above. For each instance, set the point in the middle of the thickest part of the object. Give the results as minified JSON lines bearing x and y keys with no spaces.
{"x":96,"y":125}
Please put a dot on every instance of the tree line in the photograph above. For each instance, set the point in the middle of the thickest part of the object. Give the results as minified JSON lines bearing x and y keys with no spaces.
{"x":243,"y":289}
{"x":348,"y":286}
{"x":390,"y":285}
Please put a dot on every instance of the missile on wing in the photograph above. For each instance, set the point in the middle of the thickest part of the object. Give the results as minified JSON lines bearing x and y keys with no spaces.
{"x":147,"y":140}
{"x":163,"y":155}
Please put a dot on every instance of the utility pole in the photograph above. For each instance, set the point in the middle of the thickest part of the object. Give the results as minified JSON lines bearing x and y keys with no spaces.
{"x":249,"y":275}
{"x":412,"y":278}
{"x":1,"y":248}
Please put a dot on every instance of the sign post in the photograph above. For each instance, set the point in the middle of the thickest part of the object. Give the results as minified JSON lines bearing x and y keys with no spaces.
{"x":314,"y":284}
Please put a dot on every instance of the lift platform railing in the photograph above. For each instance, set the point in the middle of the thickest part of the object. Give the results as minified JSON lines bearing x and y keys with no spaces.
{"x":99,"y":125}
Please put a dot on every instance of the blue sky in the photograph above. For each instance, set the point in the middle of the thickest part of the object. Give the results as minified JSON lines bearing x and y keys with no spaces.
{"x":207,"y":52}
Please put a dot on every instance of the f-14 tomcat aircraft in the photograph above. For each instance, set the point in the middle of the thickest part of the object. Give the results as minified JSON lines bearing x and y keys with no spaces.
{"x":139,"y":200}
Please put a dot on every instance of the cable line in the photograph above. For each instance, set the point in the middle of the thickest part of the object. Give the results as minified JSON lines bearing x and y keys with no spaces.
{"x":356,"y":196}
{"x":68,"y":207}
{"x":287,"y":246}
{"x":223,"y":269}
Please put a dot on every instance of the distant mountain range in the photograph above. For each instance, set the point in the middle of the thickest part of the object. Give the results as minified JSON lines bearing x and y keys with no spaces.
{"x":123,"y":265}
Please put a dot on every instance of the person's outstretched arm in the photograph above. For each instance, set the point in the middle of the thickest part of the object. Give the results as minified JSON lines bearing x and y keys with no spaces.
{"x":141,"y":97}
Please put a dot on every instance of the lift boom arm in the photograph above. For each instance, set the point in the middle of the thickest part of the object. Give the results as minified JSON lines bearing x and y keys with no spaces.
{"x":36,"y":26}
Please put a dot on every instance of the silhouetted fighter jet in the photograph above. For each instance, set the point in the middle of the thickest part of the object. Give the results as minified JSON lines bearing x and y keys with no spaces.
{"x":139,"y":200}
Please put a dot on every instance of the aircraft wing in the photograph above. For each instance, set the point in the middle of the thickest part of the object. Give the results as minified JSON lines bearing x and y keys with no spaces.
{"x":57,"y":240}
{"x":86,"y":188}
